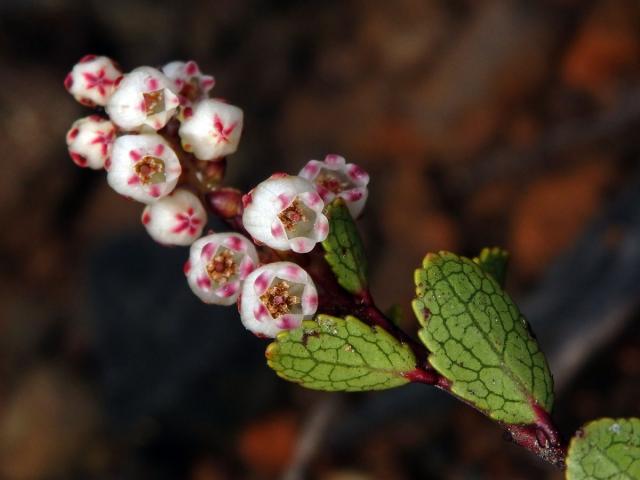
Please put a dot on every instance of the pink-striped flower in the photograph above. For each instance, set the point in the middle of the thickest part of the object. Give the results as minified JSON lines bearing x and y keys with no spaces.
{"x":177,"y":219}
{"x":277,"y":297}
{"x":335,"y":178}
{"x":285,"y":213}
{"x":217,"y":266}
{"x":211,"y":129}
{"x":188,"y":81}
{"x":143,"y":167}
{"x":144,"y":97}
{"x":89,"y":140}
{"x":93,"y":80}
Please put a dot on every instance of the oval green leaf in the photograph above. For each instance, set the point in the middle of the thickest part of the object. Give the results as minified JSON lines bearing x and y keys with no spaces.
{"x":605,"y":449}
{"x":344,"y":251}
{"x":479,"y":340}
{"x":336,"y":354}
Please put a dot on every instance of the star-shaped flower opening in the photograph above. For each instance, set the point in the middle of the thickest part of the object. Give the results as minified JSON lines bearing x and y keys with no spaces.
{"x":283,"y":297}
{"x":218,"y":264}
{"x":297,"y":219}
{"x":143,"y":167}
{"x":90,"y":140}
{"x":177,"y":219}
{"x":333,"y":178}
{"x":285,"y":213}
{"x":276,"y":297}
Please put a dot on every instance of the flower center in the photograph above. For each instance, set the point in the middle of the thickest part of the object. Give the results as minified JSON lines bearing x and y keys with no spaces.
{"x":283,"y":297}
{"x":150,"y":170}
{"x":154,"y":102}
{"x":297,"y":219}
{"x":222,"y":266}
{"x":191,"y":89}
{"x":333,"y":181}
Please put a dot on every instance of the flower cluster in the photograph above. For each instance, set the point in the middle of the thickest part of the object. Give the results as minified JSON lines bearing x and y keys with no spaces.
{"x":132,"y":142}
{"x":164,"y":143}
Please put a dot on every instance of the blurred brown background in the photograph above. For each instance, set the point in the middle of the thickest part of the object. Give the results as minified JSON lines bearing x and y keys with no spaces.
{"x":512,"y":123}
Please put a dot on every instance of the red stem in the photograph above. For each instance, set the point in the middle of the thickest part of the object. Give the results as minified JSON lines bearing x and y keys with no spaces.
{"x":541,"y":438}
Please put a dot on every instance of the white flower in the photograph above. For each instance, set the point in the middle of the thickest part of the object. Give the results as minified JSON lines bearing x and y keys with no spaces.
{"x":188,"y":81}
{"x":285,"y":213}
{"x":277,"y":297}
{"x":143,"y":167}
{"x":217,"y":265}
{"x":177,"y":219}
{"x":92,"y":80}
{"x":143,"y":97}
{"x":211,"y":129}
{"x":89,"y":140}
{"x":335,"y":178}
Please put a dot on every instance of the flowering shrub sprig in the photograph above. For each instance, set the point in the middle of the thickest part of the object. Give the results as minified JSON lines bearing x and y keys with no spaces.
{"x":295,"y":265}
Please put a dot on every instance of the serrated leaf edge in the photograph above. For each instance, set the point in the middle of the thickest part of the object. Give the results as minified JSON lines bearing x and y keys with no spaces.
{"x":576,"y":439}
{"x":317,"y":322}
{"x":332,"y":257}
{"x":423,"y":319}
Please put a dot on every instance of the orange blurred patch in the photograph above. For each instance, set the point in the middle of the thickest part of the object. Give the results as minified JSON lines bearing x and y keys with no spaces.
{"x":267,"y":446}
{"x":554,"y":210}
{"x":607,"y":46}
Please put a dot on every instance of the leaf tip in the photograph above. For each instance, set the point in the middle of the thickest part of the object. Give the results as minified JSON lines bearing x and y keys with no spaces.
{"x":429,"y":258}
{"x":271,"y":351}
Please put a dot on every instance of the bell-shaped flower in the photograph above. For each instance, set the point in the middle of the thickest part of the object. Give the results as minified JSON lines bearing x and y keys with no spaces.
{"x":217,"y":266}
{"x":189,"y":82}
{"x":333,"y":178}
{"x":285,"y":213}
{"x":211,"y":129}
{"x":144,"y":97}
{"x":143,"y":167}
{"x":89,"y":140}
{"x":177,"y":219}
{"x":93,"y":80}
{"x":276,"y":297}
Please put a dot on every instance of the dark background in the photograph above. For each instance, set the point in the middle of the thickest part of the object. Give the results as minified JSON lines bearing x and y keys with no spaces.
{"x":511,"y":123}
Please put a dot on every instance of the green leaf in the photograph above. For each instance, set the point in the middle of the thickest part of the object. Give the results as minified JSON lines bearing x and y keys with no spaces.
{"x":344,"y":250}
{"x":337,"y":354}
{"x":479,"y":340}
{"x":606,"y":448}
{"x":494,"y":261}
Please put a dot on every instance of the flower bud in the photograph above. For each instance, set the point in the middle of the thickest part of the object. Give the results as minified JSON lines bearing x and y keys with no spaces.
{"x":89,"y":140}
{"x":93,"y":80}
{"x":143,"y":98}
{"x":218,"y":264}
{"x":188,"y":81}
{"x":285,"y":213}
{"x":335,"y":178}
{"x":225,"y":202}
{"x":143,"y":167}
{"x":211,"y":129}
{"x":177,"y":219}
{"x":277,"y":297}
{"x":210,"y":174}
